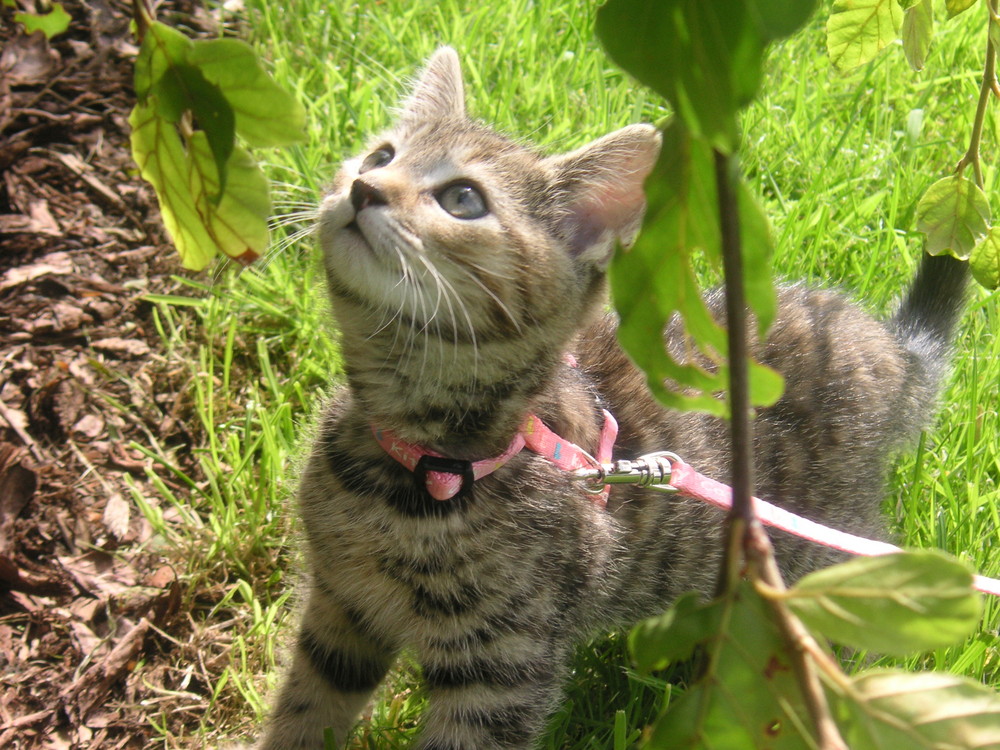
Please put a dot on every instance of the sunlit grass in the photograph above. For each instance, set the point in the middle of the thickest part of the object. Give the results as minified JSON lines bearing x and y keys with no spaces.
{"x":839,"y":162}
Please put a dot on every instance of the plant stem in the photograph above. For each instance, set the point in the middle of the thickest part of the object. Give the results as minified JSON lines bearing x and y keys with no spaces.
{"x":744,"y":531}
{"x":803,"y":647}
{"x":986,"y":88}
{"x":144,"y":17}
{"x":741,"y":516}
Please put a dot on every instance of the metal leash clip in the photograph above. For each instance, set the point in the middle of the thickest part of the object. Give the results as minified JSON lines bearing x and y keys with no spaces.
{"x":652,"y":470}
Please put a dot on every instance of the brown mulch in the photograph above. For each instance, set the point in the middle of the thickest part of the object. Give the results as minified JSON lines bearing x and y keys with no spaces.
{"x":90,"y":618}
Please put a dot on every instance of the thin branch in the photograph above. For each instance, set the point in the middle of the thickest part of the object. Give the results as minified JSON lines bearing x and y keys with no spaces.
{"x":803,"y":646}
{"x":986,"y":89}
{"x":741,"y":517}
{"x":144,"y":16}
{"x":744,"y":530}
{"x":11,"y":419}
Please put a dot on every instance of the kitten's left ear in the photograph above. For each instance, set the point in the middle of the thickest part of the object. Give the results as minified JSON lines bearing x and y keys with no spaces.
{"x":438,"y":93}
{"x":600,"y":187}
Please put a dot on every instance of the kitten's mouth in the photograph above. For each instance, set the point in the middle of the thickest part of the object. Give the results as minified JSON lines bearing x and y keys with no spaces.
{"x":355,"y":229}
{"x":358,"y":235}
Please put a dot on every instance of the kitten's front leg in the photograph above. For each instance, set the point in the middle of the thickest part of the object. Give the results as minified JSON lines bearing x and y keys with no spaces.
{"x":494,"y":698}
{"x":333,"y":673}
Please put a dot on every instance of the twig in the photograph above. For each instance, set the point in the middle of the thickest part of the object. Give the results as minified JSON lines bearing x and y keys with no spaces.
{"x":741,"y":516}
{"x":986,"y":88}
{"x":9,"y":418}
{"x":144,"y":16}
{"x":803,"y":645}
{"x":745,"y":532}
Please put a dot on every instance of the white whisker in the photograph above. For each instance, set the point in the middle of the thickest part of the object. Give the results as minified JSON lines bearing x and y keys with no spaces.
{"x":450,"y":294}
{"x":492,"y":295}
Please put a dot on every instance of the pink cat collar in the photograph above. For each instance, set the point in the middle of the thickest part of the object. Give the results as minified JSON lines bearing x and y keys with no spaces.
{"x":444,"y":477}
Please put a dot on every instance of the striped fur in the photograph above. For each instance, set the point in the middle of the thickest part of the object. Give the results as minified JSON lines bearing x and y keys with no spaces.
{"x":452,"y":330}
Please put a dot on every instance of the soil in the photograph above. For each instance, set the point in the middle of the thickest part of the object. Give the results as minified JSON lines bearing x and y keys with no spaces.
{"x":90,"y":618}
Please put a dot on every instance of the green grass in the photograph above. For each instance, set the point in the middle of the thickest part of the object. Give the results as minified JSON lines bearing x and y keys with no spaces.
{"x":838,"y":161}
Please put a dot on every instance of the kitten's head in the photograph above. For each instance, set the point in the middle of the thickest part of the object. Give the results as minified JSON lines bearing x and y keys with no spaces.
{"x":450,"y":230}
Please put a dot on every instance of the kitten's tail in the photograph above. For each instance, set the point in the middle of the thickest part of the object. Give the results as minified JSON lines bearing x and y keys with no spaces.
{"x":927,"y":317}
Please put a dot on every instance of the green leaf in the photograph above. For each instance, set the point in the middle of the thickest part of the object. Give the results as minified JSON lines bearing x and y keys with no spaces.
{"x":766,"y":385}
{"x":201,"y":218}
{"x":749,"y":697}
{"x":917,"y":32}
{"x":162,"y":49}
{"x":194,"y":98}
{"x":713,"y":47}
{"x":266,"y":115}
{"x":857,"y":30}
{"x":53,"y":23}
{"x":182,"y":89}
{"x":895,"y":604}
{"x":757,"y":244}
{"x":985,"y":260}
{"x":655,"y":278}
{"x":921,"y":711}
{"x":955,"y":215}
{"x":776,"y":19}
{"x":658,"y":641}
{"x":954,"y":7}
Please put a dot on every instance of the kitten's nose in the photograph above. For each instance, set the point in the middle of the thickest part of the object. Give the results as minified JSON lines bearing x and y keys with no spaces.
{"x":364,"y":194}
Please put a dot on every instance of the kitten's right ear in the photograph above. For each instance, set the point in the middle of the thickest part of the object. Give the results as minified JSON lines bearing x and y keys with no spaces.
{"x":600,"y":187}
{"x":438,"y":93}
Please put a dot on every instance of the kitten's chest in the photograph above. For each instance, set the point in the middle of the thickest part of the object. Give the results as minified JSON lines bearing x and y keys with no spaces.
{"x":414,"y":579}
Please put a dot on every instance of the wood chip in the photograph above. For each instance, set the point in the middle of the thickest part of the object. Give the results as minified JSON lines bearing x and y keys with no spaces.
{"x":56,"y":264}
{"x":90,"y":425}
{"x":86,"y":173}
{"x":116,"y":516}
{"x":93,"y":686}
{"x":17,"y":485}
{"x":120,"y":347}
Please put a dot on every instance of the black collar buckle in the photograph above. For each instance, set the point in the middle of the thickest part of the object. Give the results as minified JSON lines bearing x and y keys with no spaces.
{"x":458,"y":466}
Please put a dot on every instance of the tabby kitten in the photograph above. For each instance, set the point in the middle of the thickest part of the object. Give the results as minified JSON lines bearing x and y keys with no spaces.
{"x":467,"y":279}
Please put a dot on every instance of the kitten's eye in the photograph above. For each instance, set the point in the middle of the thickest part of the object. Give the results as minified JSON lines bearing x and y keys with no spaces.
{"x":463,"y":201}
{"x":378,"y":158}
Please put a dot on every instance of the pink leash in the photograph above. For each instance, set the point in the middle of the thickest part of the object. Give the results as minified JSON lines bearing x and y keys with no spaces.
{"x":690,"y":483}
{"x":444,"y":478}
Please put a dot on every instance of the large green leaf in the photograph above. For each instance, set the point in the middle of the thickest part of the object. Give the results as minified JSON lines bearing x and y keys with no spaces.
{"x":656,"y":280}
{"x":985,"y":260}
{"x":659,"y":641}
{"x":162,"y":49}
{"x":895,"y":604}
{"x":955,"y":215}
{"x":858,"y":29}
{"x":165,"y":77}
{"x":684,"y":49}
{"x":200,"y":218}
{"x":776,"y":19}
{"x":749,"y":698}
{"x":183,"y":89}
{"x":266,"y":115}
{"x":922,"y":711}
{"x":194,"y":98}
